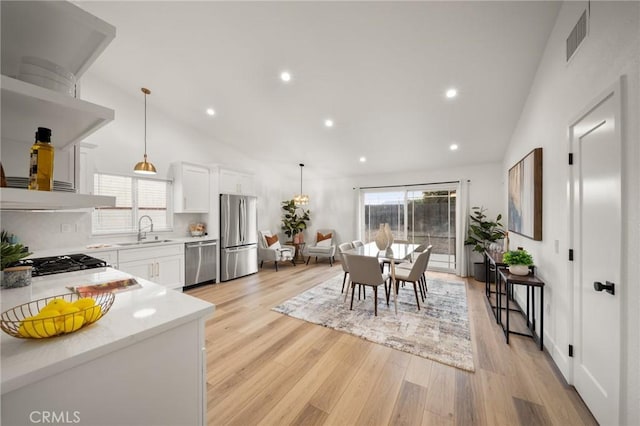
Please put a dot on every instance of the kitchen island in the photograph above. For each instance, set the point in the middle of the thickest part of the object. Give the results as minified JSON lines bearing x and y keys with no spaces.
{"x":142,"y":363}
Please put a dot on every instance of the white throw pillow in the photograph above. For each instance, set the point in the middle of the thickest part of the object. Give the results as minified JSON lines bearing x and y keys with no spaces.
{"x":325,"y":243}
{"x":275,"y":245}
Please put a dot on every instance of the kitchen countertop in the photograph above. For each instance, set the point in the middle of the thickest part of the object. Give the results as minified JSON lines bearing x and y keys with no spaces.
{"x":109,"y":246}
{"x":135,"y":315}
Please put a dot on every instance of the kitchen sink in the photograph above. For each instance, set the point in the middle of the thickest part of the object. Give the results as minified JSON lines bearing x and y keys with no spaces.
{"x":142,"y":243}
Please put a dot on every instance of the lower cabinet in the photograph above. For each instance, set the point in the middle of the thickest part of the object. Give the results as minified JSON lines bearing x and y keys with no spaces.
{"x":148,"y":381}
{"x":162,"y":265}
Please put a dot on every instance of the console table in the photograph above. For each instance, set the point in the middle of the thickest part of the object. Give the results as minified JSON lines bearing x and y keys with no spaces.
{"x":531,"y":282}
{"x":492,"y":261}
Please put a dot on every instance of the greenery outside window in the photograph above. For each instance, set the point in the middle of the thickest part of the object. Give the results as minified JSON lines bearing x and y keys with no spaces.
{"x":135,"y":197}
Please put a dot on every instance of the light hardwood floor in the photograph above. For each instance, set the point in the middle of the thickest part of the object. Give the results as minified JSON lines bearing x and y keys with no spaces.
{"x":269,"y":369}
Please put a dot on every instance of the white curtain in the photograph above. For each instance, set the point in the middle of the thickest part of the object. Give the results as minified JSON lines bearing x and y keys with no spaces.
{"x":462,"y":219}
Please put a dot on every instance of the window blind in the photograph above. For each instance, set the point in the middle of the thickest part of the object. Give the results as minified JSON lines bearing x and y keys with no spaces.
{"x":135,"y":197}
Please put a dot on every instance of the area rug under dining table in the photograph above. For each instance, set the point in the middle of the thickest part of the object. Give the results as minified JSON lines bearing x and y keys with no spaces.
{"x":439,"y":331}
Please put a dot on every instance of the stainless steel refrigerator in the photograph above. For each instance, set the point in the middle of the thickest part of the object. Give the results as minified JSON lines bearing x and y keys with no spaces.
{"x":238,"y":236}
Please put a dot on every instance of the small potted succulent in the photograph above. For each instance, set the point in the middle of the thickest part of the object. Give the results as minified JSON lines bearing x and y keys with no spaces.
{"x":518,"y":261}
{"x":14,"y":276}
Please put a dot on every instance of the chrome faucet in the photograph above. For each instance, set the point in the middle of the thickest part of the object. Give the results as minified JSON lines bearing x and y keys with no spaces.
{"x":140,"y":236}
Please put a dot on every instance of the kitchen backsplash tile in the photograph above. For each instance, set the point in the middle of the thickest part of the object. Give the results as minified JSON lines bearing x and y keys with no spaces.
{"x":48,"y":230}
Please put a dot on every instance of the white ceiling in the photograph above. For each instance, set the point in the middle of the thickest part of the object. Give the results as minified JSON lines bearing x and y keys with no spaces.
{"x":378,"y":69}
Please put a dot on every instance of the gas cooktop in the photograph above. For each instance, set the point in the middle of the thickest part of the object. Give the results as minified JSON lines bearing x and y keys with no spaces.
{"x":60,"y":264}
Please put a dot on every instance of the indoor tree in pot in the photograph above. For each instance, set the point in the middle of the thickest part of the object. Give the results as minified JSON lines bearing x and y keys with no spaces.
{"x":294,"y":220}
{"x":518,"y":261}
{"x":481,"y":234}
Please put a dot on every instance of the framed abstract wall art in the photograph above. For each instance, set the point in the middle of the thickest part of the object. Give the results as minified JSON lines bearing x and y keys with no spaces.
{"x":525,"y":196}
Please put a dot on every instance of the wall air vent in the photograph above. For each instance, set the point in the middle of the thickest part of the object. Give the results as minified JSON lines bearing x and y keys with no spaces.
{"x":578,"y":33}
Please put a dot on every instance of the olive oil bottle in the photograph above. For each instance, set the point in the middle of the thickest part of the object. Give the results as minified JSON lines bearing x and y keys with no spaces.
{"x":41,"y":161}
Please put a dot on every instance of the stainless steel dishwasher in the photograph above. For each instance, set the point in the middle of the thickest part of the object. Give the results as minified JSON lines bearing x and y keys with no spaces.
{"x":200,"y":262}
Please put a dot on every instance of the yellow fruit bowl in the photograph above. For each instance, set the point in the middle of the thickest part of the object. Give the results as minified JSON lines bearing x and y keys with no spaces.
{"x":55,"y":315}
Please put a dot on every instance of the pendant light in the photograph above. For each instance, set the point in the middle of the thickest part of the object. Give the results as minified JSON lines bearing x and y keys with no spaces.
{"x":144,"y":167}
{"x":301,"y":199}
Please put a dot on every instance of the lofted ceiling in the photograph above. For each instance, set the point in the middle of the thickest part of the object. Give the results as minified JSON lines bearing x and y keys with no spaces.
{"x":379,"y":70}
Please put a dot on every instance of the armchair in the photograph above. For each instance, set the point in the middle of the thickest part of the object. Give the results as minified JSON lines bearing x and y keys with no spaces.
{"x":270,"y":249}
{"x":323,"y":246}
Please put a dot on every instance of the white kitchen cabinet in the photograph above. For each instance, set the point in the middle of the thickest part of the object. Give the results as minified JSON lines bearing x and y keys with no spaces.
{"x":162,"y":265}
{"x":68,"y":36}
{"x":143,"y":363}
{"x":190,"y":187}
{"x":236,"y":182}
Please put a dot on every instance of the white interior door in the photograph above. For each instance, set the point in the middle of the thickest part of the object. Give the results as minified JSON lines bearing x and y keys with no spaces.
{"x":595,"y":140}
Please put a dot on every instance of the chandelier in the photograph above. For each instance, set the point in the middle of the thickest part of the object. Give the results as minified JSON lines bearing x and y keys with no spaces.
{"x":301,"y":199}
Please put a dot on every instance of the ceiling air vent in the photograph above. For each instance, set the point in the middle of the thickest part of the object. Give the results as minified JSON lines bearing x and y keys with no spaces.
{"x":578,"y":33}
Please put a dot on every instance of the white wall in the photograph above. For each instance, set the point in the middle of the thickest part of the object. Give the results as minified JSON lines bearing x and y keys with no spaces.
{"x":334,"y":202}
{"x":559,"y":92}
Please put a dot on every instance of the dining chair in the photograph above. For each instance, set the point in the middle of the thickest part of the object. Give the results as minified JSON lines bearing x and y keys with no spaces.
{"x":415,"y":275}
{"x":423,"y":279}
{"x":341,"y":249}
{"x":358,"y":243}
{"x":365,"y":271}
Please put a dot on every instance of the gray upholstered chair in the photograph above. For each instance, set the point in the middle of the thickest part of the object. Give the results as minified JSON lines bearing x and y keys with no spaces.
{"x":341,"y":249}
{"x":415,"y":275}
{"x":365,"y":271}
{"x":274,"y":252}
{"x":322,"y":247}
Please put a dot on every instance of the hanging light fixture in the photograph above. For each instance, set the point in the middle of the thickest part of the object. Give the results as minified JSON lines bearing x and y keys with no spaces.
{"x":301,"y":199}
{"x":144,"y":167}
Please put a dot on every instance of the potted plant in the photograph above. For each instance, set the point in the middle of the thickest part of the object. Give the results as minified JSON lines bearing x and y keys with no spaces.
{"x":294,"y":220}
{"x":14,"y":276}
{"x":481,"y":234}
{"x":518,"y":261}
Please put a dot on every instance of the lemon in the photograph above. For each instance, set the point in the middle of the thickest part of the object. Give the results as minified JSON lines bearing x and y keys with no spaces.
{"x":70,"y":309}
{"x":56,"y":304}
{"x":49,"y":313}
{"x":93,"y":314}
{"x":72,"y":323}
{"x":84,"y":303}
{"x":28,"y":329}
{"x":45,"y":328}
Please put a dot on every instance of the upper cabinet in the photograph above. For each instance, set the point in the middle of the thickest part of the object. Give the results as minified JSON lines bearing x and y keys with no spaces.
{"x":235,"y":182}
{"x":190,"y":187}
{"x":66,"y":35}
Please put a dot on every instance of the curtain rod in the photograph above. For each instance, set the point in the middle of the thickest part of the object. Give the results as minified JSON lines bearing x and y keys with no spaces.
{"x":412,"y":184}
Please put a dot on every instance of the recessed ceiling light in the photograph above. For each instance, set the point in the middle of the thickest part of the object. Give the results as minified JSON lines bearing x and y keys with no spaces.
{"x":363,"y":159}
{"x":453,"y":147}
{"x":285,"y":76}
{"x":328,"y":122}
{"x":211,"y":111}
{"x":452,"y":93}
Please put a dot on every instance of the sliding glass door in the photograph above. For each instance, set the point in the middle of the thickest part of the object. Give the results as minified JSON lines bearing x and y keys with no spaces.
{"x":425,"y":214}
{"x":380,"y":208}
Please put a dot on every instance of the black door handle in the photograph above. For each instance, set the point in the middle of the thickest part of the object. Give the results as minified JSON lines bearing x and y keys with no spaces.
{"x":609,"y":287}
